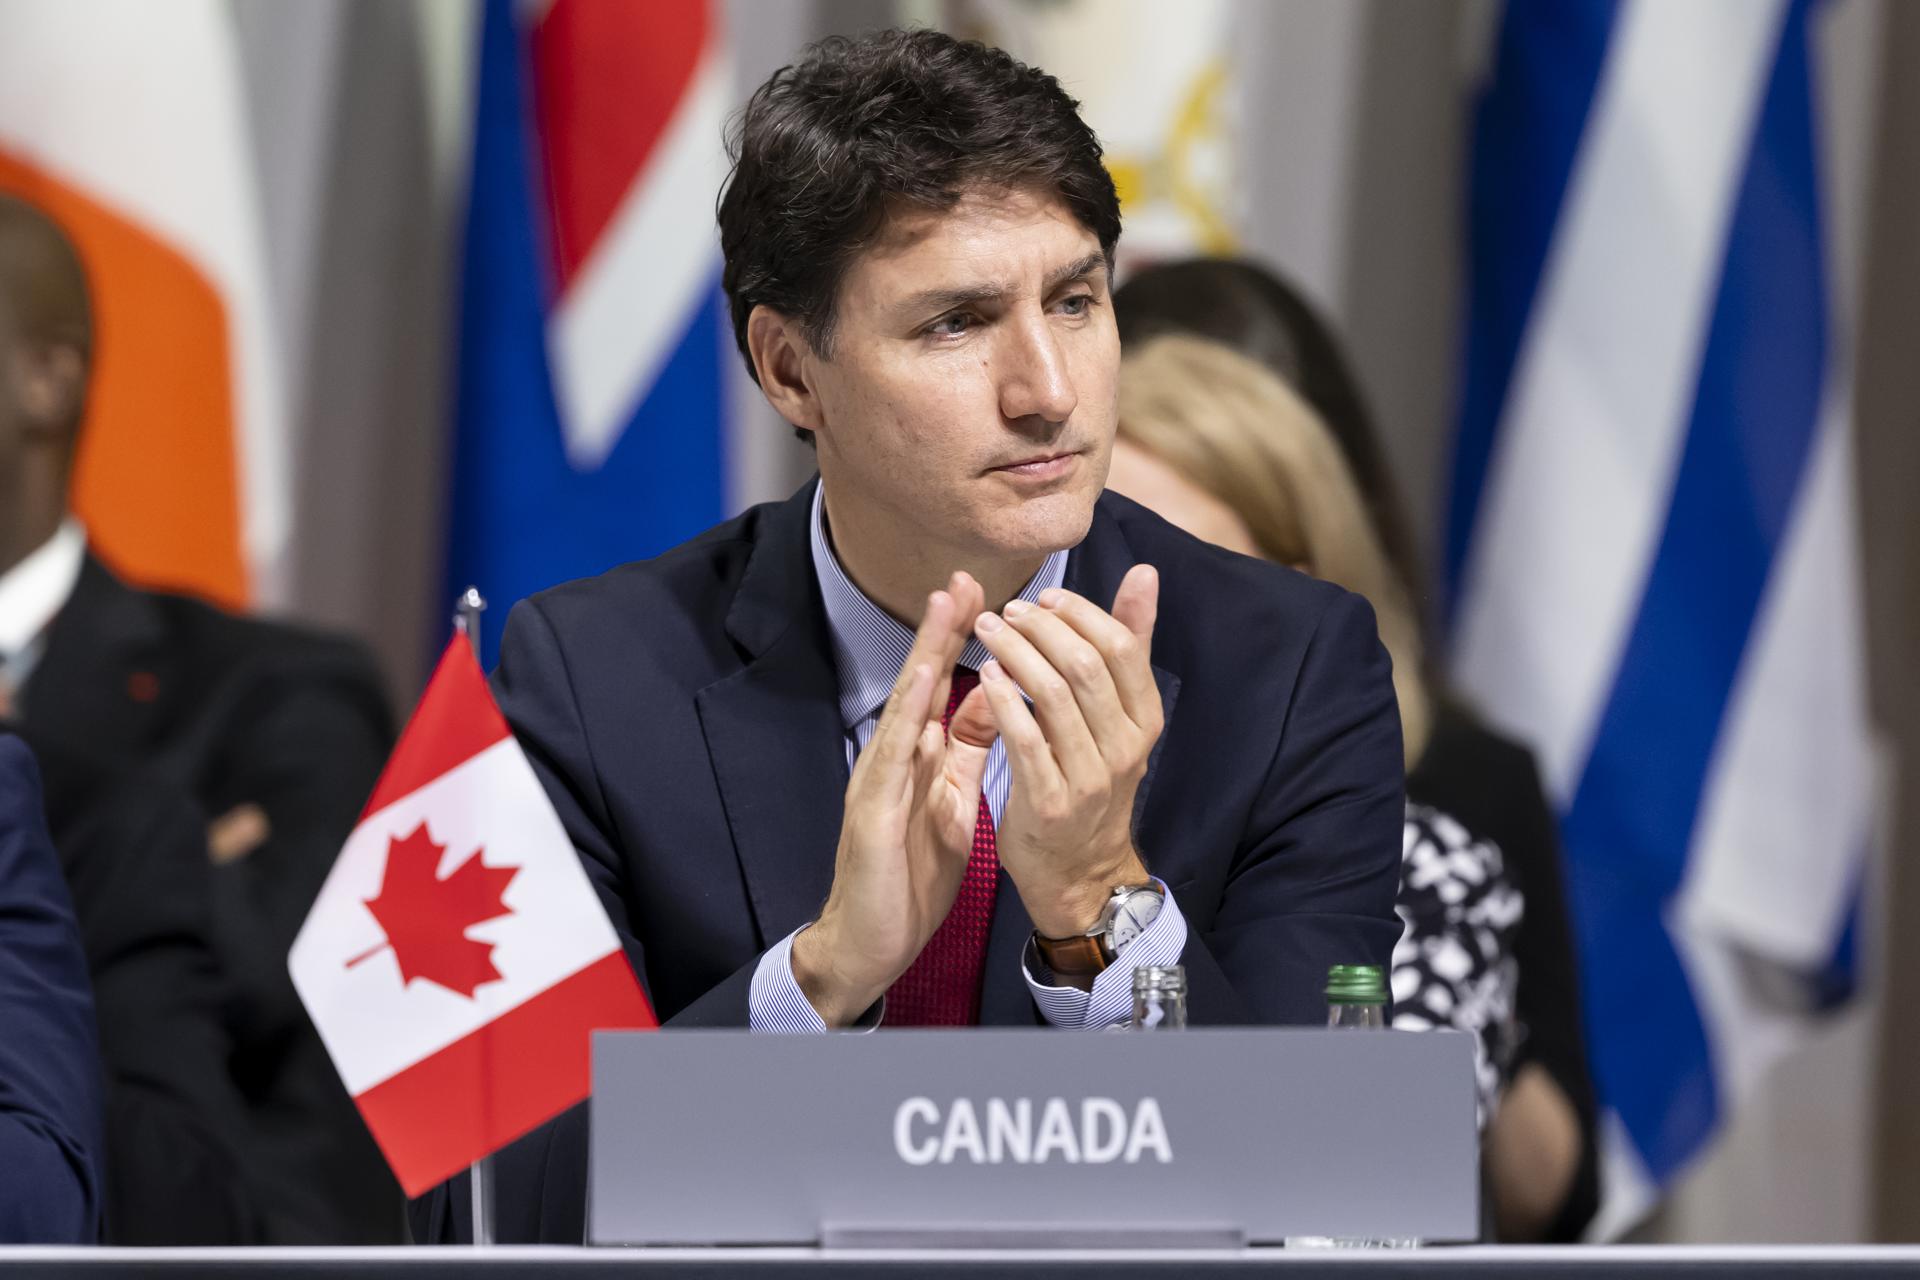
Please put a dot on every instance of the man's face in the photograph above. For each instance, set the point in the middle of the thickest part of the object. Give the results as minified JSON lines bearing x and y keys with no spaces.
{"x":970,"y":392}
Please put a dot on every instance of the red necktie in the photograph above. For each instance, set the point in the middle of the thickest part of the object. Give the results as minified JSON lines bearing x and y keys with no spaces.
{"x":942,"y":987}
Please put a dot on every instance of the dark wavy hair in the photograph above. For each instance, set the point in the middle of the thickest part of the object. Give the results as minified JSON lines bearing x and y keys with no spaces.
{"x":829,"y":146}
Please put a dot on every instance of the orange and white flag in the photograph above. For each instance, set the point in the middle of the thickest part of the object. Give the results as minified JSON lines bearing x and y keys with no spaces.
{"x":126,"y":121}
{"x":457,"y":960}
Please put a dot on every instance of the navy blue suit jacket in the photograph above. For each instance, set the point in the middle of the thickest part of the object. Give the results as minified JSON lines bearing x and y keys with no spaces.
{"x":50,"y":1079}
{"x":682,"y":713}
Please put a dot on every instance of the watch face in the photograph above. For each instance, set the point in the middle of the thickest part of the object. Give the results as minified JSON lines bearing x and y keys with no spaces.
{"x":1136,"y":911}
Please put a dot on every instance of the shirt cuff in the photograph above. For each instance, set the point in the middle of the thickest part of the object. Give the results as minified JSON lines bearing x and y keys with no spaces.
{"x":1110,"y":1002}
{"x":775,"y":1002}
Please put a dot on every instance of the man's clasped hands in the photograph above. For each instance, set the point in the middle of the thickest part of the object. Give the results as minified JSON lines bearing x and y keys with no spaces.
{"x":1077,"y":745}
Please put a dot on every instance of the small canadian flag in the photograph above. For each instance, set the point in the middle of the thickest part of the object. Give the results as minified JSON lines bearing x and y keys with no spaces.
{"x":457,"y":959}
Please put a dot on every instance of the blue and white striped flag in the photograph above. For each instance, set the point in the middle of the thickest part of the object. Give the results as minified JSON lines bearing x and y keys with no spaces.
{"x":1652,"y":540}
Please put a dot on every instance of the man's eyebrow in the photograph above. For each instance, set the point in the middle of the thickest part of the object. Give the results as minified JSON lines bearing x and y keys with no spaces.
{"x":931,"y":301}
{"x":1095,"y":261}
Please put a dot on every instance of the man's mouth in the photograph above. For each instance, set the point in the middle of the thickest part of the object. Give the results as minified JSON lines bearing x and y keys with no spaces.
{"x":1043,"y":466}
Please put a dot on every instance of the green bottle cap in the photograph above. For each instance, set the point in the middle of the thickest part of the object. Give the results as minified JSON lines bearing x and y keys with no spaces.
{"x":1356,"y":984}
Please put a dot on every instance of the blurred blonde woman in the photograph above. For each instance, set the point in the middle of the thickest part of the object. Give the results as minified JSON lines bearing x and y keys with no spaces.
{"x":1233,"y":442}
{"x":1215,"y":443}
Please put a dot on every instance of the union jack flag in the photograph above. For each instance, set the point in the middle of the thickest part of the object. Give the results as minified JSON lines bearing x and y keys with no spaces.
{"x":591,"y":399}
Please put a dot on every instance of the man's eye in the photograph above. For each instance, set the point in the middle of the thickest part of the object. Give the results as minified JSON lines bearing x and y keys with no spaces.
{"x":951,"y":326}
{"x":1078,"y":305}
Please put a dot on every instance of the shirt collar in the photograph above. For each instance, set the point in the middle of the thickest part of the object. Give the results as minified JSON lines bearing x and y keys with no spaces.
{"x":37,"y":588}
{"x":869,"y":644}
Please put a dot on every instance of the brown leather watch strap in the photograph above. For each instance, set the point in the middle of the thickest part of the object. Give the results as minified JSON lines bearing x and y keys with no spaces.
{"x":1072,"y":957}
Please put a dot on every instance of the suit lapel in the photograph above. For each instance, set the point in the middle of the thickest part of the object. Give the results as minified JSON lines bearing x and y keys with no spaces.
{"x":773,"y":729}
{"x":101,"y":680}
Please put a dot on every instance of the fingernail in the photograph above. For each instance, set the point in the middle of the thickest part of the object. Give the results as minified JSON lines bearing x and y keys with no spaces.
{"x":1052,"y":597}
{"x":1015,"y":608}
{"x":990,"y":670}
{"x":987,"y":622}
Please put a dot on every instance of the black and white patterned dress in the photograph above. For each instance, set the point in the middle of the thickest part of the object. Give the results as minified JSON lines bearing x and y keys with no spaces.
{"x":1453,"y":966}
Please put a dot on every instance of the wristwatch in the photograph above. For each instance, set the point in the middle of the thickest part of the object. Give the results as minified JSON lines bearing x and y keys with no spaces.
{"x":1128,"y":911}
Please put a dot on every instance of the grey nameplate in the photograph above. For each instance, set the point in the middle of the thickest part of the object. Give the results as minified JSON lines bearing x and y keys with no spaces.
{"x":1202,"y":1136}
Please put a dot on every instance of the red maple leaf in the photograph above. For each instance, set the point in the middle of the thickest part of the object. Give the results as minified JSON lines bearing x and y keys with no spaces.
{"x":426,"y":917}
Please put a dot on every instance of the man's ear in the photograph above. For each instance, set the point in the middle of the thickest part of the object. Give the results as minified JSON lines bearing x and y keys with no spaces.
{"x":50,"y":385}
{"x":780,"y":356}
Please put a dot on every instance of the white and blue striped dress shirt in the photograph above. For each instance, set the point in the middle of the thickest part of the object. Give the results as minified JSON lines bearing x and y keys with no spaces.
{"x":869,"y":648}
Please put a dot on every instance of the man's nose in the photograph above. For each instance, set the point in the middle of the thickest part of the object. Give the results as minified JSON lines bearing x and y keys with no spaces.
{"x":1036,"y":381}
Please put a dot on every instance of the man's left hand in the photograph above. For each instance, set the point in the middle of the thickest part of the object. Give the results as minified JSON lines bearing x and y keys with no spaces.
{"x":1079,"y":752}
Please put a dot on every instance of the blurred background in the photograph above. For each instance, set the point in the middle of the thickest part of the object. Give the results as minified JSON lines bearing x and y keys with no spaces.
{"x":398,"y":295}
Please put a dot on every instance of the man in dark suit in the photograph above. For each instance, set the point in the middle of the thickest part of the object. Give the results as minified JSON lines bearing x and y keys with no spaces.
{"x":277,"y":733}
{"x":50,"y":1085}
{"x":133,"y":850}
{"x":748,"y":738}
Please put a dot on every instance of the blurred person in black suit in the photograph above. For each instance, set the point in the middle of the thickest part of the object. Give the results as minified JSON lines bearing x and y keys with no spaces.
{"x":133,"y":849}
{"x":1542,"y":1152}
{"x":277,"y":733}
{"x":50,"y":1085}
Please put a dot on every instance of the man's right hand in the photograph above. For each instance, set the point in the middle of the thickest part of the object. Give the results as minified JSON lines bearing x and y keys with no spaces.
{"x":908,"y":828}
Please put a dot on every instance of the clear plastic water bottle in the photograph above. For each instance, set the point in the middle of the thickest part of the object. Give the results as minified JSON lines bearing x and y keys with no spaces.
{"x":1356,"y":999}
{"x":1159,"y":998}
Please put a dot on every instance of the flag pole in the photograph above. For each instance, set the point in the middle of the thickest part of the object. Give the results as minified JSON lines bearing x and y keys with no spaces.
{"x":466,"y":616}
{"x":466,"y":620}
